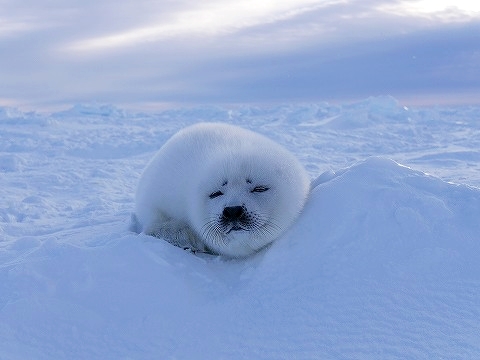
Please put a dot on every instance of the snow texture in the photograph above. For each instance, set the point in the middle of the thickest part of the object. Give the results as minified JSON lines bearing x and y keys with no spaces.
{"x":382,"y":263}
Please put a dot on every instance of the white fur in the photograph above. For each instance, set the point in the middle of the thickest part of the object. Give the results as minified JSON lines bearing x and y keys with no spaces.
{"x":176,"y":200}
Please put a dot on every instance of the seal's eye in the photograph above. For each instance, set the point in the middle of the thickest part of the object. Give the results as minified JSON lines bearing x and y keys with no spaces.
{"x":215,"y":194}
{"x":259,"y":189}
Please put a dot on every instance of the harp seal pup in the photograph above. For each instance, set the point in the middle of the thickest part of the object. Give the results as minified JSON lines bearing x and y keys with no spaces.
{"x":220,"y":189}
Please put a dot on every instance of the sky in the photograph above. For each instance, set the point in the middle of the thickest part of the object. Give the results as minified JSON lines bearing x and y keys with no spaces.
{"x":146,"y":53}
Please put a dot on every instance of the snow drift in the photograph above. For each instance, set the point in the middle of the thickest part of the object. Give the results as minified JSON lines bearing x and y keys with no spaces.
{"x":383,"y":262}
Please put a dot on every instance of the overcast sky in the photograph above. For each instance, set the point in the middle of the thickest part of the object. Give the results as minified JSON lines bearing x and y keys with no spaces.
{"x":139,"y":53}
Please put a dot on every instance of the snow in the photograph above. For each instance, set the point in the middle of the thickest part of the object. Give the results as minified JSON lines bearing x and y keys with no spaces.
{"x":382,"y":263}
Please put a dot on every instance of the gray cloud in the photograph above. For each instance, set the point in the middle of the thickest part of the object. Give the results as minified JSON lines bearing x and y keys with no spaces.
{"x":342,"y":50}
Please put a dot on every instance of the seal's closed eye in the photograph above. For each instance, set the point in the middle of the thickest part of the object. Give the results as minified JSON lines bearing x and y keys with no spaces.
{"x":215,"y":194}
{"x":259,"y":189}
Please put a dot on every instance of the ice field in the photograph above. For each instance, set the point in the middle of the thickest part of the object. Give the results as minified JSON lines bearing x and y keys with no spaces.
{"x":383,"y":263}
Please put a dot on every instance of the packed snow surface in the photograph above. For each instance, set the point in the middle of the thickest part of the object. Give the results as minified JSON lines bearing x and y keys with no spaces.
{"x":382,"y":264}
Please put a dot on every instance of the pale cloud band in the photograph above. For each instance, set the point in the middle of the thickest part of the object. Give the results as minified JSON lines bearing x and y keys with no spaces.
{"x":208,"y":19}
{"x":216,"y":18}
{"x":219,"y":51}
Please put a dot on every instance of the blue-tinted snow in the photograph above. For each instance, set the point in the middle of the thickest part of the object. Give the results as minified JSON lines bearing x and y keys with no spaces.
{"x":382,"y":263}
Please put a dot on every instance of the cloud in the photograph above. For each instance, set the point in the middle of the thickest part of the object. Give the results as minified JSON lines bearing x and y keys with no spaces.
{"x":208,"y":18}
{"x":216,"y":51}
{"x":446,"y":10}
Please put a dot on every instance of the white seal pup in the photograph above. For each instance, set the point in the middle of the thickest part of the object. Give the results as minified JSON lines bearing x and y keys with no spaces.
{"x":221,"y":189}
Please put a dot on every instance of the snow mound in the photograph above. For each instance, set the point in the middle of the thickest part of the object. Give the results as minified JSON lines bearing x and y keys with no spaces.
{"x":382,"y":263}
{"x":393,"y":220}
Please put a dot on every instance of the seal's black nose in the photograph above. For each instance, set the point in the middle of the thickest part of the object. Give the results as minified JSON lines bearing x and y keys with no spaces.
{"x":233,"y":212}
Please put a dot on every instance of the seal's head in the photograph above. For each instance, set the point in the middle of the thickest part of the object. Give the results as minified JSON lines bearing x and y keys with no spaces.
{"x":247,"y":200}
{"x":220,"y":188}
